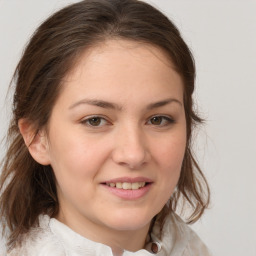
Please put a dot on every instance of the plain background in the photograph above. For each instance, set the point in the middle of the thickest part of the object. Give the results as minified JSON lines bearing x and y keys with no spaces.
{"x":222,"y":36}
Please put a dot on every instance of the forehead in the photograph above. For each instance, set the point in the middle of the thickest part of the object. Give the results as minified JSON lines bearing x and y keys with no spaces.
{"x":124,"y":68}
{"x":123,"y":52}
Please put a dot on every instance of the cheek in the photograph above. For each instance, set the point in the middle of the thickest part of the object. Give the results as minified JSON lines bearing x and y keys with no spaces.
{"x":74,"y":158}
{"x":75,"y":167}
{"x":171,"y":152}
{"x":170,"y":158}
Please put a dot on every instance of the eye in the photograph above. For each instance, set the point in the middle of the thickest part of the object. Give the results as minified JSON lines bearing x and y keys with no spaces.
{"x":94,"y":121}
{"x":160,"y":121}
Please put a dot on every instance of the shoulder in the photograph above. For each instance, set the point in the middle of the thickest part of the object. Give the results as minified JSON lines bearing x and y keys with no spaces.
{"x":194,"y":245}
{"x":39,"y":241}
{"x":179,"y":239}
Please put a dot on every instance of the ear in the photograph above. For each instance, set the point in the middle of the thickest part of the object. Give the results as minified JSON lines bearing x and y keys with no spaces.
{"x":36,"y":142}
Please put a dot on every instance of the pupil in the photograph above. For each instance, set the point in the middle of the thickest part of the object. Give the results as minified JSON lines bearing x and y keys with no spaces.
{"x":156,"y":120}
{"x":94,"y":121}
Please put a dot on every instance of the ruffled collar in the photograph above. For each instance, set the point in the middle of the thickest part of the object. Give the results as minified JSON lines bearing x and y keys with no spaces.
{"x":175,"y":236}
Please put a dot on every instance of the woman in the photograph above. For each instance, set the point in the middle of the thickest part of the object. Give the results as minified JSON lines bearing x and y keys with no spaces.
{"x":99,"y":155}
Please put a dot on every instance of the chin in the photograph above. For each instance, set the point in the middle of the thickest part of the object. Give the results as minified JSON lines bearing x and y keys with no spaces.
{"x":130,"y":221}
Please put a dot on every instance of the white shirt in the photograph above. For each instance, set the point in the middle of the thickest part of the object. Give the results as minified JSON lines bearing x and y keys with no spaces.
{"x":53,"y":238}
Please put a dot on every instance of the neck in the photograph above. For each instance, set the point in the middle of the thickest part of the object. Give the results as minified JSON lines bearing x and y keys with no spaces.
{"x":128,"y":240}
{"x":117,"y":240}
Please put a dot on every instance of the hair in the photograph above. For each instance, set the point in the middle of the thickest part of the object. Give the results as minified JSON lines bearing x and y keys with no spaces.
{"x":28,"y":188}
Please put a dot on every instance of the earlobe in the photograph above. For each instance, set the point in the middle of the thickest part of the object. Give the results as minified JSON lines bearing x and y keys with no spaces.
{"x":36,"y":141}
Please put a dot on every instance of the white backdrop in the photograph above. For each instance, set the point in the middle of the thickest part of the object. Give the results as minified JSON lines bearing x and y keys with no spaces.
{"x":222,"y":36}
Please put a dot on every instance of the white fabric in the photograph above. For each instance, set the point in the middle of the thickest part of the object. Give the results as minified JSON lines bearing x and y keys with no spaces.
{"x":53,"y":238}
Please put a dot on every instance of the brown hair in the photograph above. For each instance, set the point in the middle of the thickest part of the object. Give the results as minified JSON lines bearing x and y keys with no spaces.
{"x":28,"y":188}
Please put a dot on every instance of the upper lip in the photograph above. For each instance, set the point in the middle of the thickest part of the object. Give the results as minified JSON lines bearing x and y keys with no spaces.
{"x":129,"y":180}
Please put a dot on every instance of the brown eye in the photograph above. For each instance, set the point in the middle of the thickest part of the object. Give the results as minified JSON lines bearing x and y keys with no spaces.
{"x":157,"y":120}
{"x":160,"y":121}
{"x":95,"y":121}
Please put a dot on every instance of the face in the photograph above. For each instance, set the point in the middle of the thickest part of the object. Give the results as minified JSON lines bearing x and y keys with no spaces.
{"x":116,"y":137}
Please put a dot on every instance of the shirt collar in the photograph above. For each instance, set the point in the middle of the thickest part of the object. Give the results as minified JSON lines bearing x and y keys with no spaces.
{"x":174,"y":238}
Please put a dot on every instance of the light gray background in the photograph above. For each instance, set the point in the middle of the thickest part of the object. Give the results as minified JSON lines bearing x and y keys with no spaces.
{"x":222,"y":36}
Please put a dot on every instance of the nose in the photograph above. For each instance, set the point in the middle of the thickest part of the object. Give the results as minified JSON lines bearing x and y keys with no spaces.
{"x":131,"y":148}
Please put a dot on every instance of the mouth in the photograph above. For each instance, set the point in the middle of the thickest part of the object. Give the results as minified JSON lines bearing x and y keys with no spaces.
{"x":127,"y":185}
{"x":127,"y":188}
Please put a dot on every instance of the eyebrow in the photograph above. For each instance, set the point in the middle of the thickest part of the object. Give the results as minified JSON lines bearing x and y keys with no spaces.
{"x":97,"y":103}
{"x":110,"y":105}
{"x":163,"y":103}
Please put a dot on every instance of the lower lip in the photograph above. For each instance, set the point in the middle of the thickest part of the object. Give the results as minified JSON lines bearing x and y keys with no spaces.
{"x":129,"y":194}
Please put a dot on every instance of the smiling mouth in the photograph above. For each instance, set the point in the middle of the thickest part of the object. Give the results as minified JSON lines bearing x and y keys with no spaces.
{"x":127,"y":185}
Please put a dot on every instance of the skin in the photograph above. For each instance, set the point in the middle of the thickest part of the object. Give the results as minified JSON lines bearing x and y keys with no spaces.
{"x":123,"y":140}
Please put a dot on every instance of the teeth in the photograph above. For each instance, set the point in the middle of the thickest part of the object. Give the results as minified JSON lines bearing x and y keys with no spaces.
{"x":119,"y":185}
{"x":127,"y":185}
{"x":135,"y":185}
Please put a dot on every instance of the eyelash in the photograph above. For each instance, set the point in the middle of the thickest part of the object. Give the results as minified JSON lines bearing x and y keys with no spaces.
{"x":98,"y":119}
{"x":89,"y":119}
{"x":167,"y":120}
